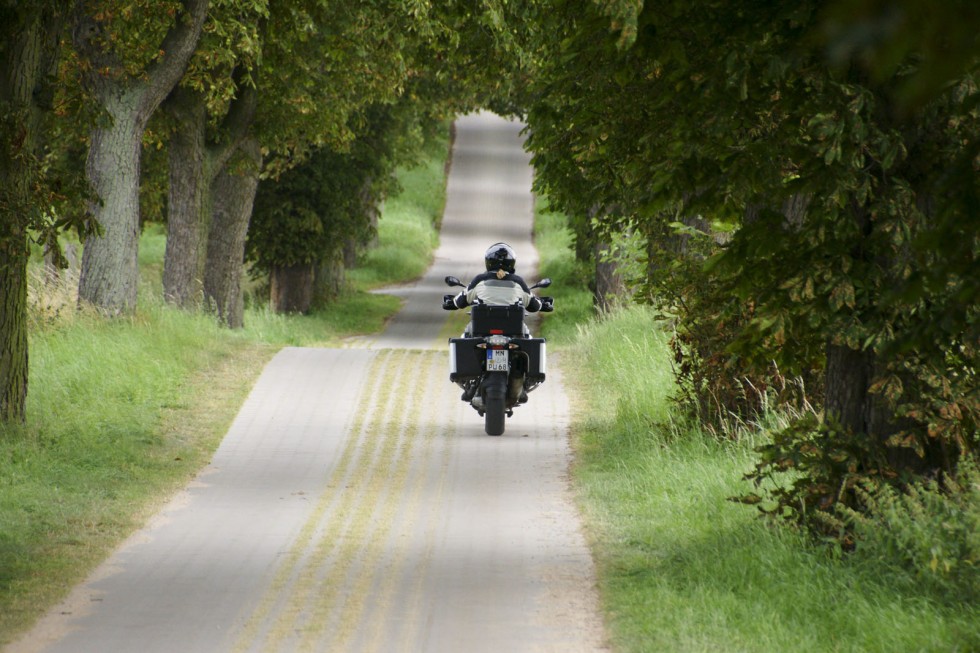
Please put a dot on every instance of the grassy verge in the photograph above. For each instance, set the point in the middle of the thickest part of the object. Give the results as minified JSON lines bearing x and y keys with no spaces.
{"x":680,"y":567}
{"x":121,"y":413}
{"x":573,"y":301}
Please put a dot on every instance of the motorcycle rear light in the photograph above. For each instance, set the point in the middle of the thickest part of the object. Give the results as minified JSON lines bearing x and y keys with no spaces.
{"x":496,"y":332}
{"x":498,"y":341}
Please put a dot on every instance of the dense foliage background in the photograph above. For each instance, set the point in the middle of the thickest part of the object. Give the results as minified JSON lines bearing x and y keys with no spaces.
{"x":797,"y":193}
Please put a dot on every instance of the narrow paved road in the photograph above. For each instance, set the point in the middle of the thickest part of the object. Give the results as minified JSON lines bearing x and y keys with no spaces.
{"x":356,"y":504}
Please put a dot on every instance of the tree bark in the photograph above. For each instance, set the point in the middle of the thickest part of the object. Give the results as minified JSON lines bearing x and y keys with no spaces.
{"x":28,"y":48}
{"x":329,"y":280}
{"x":609,"y":286}
{"x":292,"y":288}
{"x":850,"y":374}
{"x":13,"y":320}
{"x":110,"y":275}
{"x":847,"y":378}
{"x":188,"y":199}
{"x":196,"y":159}
{"x":373,"y":212}
{"x":233,"y":194}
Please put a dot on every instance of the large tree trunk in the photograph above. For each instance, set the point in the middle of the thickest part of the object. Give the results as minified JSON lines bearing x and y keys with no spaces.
{"x":188,"y":199}
{"x":28,"y":47}
{"x":196,"y":158}
{"x":110,"y":274}
{"x":607,"y":284}
{"x":847,"y":378}
{"x":849,"y":372}
{"x":329,"y":280}
{"x":13,"y":318}
{"x":291,"y":288}
{"x":233,"y":194}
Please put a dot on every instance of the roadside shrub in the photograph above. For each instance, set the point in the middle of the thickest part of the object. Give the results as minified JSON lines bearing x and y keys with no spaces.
{"x":722,"y":389}
{"x":931,"y":531}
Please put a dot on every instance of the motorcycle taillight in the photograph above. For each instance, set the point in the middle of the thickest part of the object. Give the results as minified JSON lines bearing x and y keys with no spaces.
{"x":498,"y":341}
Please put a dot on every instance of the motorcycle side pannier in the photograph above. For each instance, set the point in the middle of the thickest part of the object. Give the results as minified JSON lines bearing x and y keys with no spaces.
{"x":537,"y":359}
{"x":465,"y":360}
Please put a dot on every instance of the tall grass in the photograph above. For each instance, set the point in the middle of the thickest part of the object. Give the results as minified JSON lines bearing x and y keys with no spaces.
{"x":100,"y":441}
{"x":681,"y":567}
{"x":573,"y":300}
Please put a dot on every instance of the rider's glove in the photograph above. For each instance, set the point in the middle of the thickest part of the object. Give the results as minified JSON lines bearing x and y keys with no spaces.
{"x":547,"y":304}
{"x":448,"y":303}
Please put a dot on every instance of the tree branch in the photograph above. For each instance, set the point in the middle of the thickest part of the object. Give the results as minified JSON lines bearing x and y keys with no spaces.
{"x":177,"y":46}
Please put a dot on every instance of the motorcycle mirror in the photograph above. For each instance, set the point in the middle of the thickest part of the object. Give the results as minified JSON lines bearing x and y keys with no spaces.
{"x":453,"y":281}
{"x":544,"y":283}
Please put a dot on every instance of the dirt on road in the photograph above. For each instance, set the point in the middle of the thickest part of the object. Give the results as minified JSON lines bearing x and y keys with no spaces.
{"x":356,"y":504}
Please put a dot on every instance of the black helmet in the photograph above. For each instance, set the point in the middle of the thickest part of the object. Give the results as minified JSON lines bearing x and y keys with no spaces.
{"x":500,"y":256}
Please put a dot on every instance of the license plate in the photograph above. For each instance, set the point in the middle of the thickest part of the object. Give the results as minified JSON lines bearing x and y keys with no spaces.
{"x":497,"y":360}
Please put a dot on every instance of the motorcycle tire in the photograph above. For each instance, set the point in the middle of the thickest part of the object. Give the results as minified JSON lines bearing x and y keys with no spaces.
{"x":494,"y":416}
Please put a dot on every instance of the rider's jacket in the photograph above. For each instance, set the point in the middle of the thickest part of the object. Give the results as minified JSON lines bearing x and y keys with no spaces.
{"x":488,"y":289}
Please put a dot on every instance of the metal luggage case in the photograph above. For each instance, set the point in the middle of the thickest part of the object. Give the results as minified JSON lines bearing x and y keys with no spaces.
{"x":465,"y":360}
{"x":537,"y":357}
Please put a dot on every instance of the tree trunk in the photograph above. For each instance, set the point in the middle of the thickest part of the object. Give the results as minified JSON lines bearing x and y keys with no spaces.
{"x":110,"y":273}
{"x":292,"y":288}
{"x":29,"y":45}
{"x":849,"y":402}
{"x":329,"y":280}
{"x":373,"y":212}
{"x":188,"y":209}
{"x":13,"y":319}
{"x":609,"y":286}
{"x":196,"y":159}
{"x":847,"y":377}
{"x":233,"y":194}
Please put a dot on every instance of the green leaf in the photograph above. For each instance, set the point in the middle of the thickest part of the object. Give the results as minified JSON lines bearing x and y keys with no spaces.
{"x":842,"y":295}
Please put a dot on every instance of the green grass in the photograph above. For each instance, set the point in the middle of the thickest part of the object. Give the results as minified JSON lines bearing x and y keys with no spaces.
{"x":355,"y":313}
{"x":573,"y":300}
{"x":105,"y":436}
{"x":123,"y":412}
{"x":681,"y":567}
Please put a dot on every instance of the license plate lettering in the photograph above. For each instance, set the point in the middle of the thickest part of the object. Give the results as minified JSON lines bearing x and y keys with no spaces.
{"x":497,"y":360}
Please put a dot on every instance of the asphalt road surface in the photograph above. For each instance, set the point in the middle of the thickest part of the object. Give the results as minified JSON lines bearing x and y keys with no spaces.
{"x":356,"y":504}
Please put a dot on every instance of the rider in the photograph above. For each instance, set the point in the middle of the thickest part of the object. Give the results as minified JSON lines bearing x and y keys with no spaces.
{"x":499,"y":285}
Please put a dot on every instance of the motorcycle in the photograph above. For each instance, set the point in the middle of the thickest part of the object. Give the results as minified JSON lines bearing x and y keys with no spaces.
{"x":497,"y":362}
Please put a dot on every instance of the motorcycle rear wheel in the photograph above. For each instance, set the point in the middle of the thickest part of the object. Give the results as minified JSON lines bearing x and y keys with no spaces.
{"x":494,"y":416}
